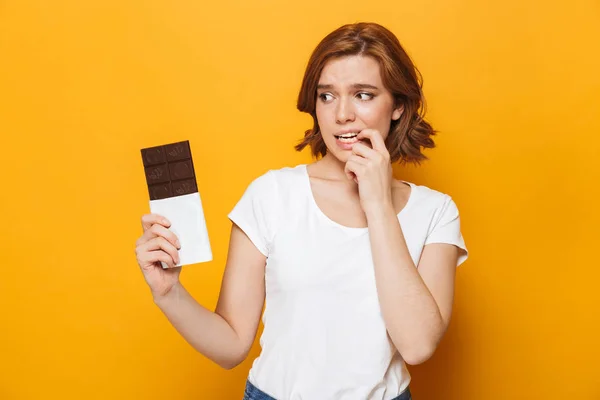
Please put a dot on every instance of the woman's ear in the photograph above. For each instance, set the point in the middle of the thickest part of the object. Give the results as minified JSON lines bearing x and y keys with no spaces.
{"x":397,"y":113}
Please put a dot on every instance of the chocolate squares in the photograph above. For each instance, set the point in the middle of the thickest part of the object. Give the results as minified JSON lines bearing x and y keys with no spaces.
{"x":169,"y":170}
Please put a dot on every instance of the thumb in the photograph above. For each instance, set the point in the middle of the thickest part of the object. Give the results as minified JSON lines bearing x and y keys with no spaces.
{"x":349,"y":173}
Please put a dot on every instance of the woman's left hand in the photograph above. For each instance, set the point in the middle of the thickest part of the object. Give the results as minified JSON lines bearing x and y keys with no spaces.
{"x":372,"y":170}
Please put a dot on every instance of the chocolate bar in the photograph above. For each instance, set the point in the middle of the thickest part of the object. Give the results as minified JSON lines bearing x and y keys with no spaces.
{"x":169,"y":170}
{"x":174,"y":195}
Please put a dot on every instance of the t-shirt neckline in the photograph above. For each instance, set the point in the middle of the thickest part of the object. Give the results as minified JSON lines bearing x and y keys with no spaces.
{"x":314,"y":204}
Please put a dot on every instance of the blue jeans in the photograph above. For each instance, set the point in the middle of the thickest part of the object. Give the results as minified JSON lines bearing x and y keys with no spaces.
{"x":254,"y":393}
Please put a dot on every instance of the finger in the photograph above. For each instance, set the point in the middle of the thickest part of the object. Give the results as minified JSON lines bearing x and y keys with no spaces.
{"x":376,"y":139}
{"x":357,"y":159}
{"x":363,"y":150}
{"x":156,"y":256}
{"x":146,"y":236}
{"x":348,"y":171}
{"x":354,"y":167}
{"x":159,"y":230}
{"x":351,"y":175}
{"x":160,"y":243}
{"x":150,"y":219}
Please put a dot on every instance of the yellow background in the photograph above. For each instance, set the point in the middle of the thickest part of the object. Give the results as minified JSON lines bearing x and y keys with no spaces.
{"x":513,"y":87}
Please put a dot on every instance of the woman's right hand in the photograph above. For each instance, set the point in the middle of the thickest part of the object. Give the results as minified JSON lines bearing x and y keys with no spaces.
{"x":158,"y":244}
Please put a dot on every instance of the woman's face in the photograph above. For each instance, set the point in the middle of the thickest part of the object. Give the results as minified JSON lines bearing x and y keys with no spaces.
{"x":351,"y":97}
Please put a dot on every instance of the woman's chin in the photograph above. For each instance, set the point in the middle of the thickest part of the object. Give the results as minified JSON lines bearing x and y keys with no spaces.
{"x":339,"y":155}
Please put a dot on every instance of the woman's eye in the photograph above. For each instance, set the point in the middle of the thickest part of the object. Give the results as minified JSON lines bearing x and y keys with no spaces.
{"x":323,"y":96}
{"x":366,"y":96}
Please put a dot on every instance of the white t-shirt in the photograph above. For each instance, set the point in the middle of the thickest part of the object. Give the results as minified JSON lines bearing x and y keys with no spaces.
{"x":324,"y":335}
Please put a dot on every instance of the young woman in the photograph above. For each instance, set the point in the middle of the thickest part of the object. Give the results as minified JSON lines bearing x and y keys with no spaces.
{"x":357,"y":268}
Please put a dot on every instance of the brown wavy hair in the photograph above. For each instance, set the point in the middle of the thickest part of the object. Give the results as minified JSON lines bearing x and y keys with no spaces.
{"x":410,"y":132}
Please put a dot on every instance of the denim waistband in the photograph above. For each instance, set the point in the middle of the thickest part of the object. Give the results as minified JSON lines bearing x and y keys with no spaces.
{"x":253,"y":393}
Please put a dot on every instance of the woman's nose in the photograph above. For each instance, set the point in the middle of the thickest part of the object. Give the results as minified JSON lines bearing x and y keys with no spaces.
{"x":344,"y":111}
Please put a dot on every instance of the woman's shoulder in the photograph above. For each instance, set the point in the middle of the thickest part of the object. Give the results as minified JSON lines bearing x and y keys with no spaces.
{"x":284,"y":176}
{"x":427,"y":196}
{"x":287,"y":171}
{"x":278,"y":180}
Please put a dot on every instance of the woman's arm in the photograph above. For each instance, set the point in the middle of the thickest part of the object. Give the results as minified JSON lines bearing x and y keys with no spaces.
{"x":226,"y":335}
{"x":416,"y":303}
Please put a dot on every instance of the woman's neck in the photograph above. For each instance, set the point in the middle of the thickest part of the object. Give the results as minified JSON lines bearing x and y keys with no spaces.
{"x":331,"y":168}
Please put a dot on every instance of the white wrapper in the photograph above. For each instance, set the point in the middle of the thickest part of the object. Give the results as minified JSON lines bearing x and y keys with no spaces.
{"x":187,"y":222}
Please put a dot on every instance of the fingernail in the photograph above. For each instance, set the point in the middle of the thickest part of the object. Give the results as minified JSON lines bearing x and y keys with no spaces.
{"x":178,"y":244}
{"x":166,"y":221}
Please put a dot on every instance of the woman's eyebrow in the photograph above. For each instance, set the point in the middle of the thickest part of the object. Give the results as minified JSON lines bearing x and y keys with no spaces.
{"x":354,"y":86}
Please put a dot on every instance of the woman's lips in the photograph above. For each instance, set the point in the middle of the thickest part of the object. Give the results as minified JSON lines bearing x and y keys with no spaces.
{"x":345,"y":144}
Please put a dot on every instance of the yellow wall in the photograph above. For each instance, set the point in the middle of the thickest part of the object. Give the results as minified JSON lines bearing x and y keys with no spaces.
{"x":513,"y":86}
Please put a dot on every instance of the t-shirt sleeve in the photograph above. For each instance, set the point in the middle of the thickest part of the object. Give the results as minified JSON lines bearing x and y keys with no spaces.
{"x":256,"y":212}
{"x":446,"y":229}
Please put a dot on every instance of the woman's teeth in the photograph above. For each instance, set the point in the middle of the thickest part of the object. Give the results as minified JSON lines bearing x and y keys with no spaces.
{"x":347,"y":138}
